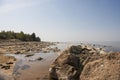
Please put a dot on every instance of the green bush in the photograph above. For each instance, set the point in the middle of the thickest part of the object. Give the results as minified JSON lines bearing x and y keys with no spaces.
{"x":21,"y":36}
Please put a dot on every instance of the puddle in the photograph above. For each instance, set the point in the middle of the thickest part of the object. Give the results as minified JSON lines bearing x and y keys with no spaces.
{"x":27,"y":68}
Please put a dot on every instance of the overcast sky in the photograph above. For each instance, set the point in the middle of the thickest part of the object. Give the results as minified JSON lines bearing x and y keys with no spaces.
{"x":63,"y":20}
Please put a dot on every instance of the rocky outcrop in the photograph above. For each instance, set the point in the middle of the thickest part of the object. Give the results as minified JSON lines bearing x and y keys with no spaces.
{"x":65,"y":67}
{"x":85,"y":63}
{"x":105,"y":67}
{"x":19,"y":47}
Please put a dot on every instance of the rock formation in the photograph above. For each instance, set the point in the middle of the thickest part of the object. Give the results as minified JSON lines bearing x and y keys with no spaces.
{"x":85,"y":63}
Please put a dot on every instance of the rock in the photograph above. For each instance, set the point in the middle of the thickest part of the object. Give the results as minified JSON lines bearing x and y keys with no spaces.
{"x":85,"y":63}
{"x":104,"y":68}
{"x":65,"y":67}
{"x":23,"y":47}
{"x":5,"y":66}
{"x":9,"y":63}
{"x":56,"y":49}
{"x":0,"y":64}
{"x":18,"y":52}
{"x":29,"y":55}
{"x":46,"y":51}
{"x":39,"y":58}
{"x":75,"y":49}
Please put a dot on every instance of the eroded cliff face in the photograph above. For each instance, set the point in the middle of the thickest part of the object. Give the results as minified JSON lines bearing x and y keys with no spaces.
{"x":85,"y":63}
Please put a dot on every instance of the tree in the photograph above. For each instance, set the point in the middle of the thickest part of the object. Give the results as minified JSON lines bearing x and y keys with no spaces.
{"x":21,"y":36}
{"x":3,"y":35}
{"x":37,"y":39}
{"x":33,"y":36}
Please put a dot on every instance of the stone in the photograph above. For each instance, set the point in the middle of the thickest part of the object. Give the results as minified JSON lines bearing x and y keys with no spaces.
{"x":18,"y":52}
{"x":9,"y":63}
{"x":5,"y":66}
{"x":39,"y":58}
{"x":29,"y":55}
{"x":65,"y":67}
{"x":79,"y":62}
{"x":75,"y":49}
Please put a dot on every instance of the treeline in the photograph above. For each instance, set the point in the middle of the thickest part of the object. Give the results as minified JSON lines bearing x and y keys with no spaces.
{"x":20,"y":35}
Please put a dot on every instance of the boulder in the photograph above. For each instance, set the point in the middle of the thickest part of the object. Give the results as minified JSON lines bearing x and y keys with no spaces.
{"x":67,"y":66}
{"x":75,"y":49}
{"x":85,"y":63}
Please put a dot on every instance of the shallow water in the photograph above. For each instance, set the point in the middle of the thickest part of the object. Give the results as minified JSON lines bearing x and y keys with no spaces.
{"x":111,"y":46}
{"x":28,"y":68}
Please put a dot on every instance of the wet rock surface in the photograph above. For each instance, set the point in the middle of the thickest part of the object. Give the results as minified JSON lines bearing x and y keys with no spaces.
{"x":85,"y":62}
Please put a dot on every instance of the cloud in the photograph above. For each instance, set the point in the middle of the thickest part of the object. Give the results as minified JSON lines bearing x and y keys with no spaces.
{"x":7,"y":6}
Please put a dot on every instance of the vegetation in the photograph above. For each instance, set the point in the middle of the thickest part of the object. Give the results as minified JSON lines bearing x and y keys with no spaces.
{"x":21,"y":36}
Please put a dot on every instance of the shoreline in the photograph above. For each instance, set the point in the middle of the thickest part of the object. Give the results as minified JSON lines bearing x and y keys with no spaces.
{"x":19,"y":47}
{"x":28,"y":49}
{"x":49,"y":51}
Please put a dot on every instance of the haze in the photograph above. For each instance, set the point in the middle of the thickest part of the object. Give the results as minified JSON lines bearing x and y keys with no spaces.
{"x":63,"y":20}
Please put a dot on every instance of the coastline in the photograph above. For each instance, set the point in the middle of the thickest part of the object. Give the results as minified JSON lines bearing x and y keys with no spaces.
{"x":20,"y":51}
{"x":27,"y":61}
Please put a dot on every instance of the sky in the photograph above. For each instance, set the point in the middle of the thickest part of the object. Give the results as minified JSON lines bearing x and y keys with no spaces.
{"x":63,"y":20}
